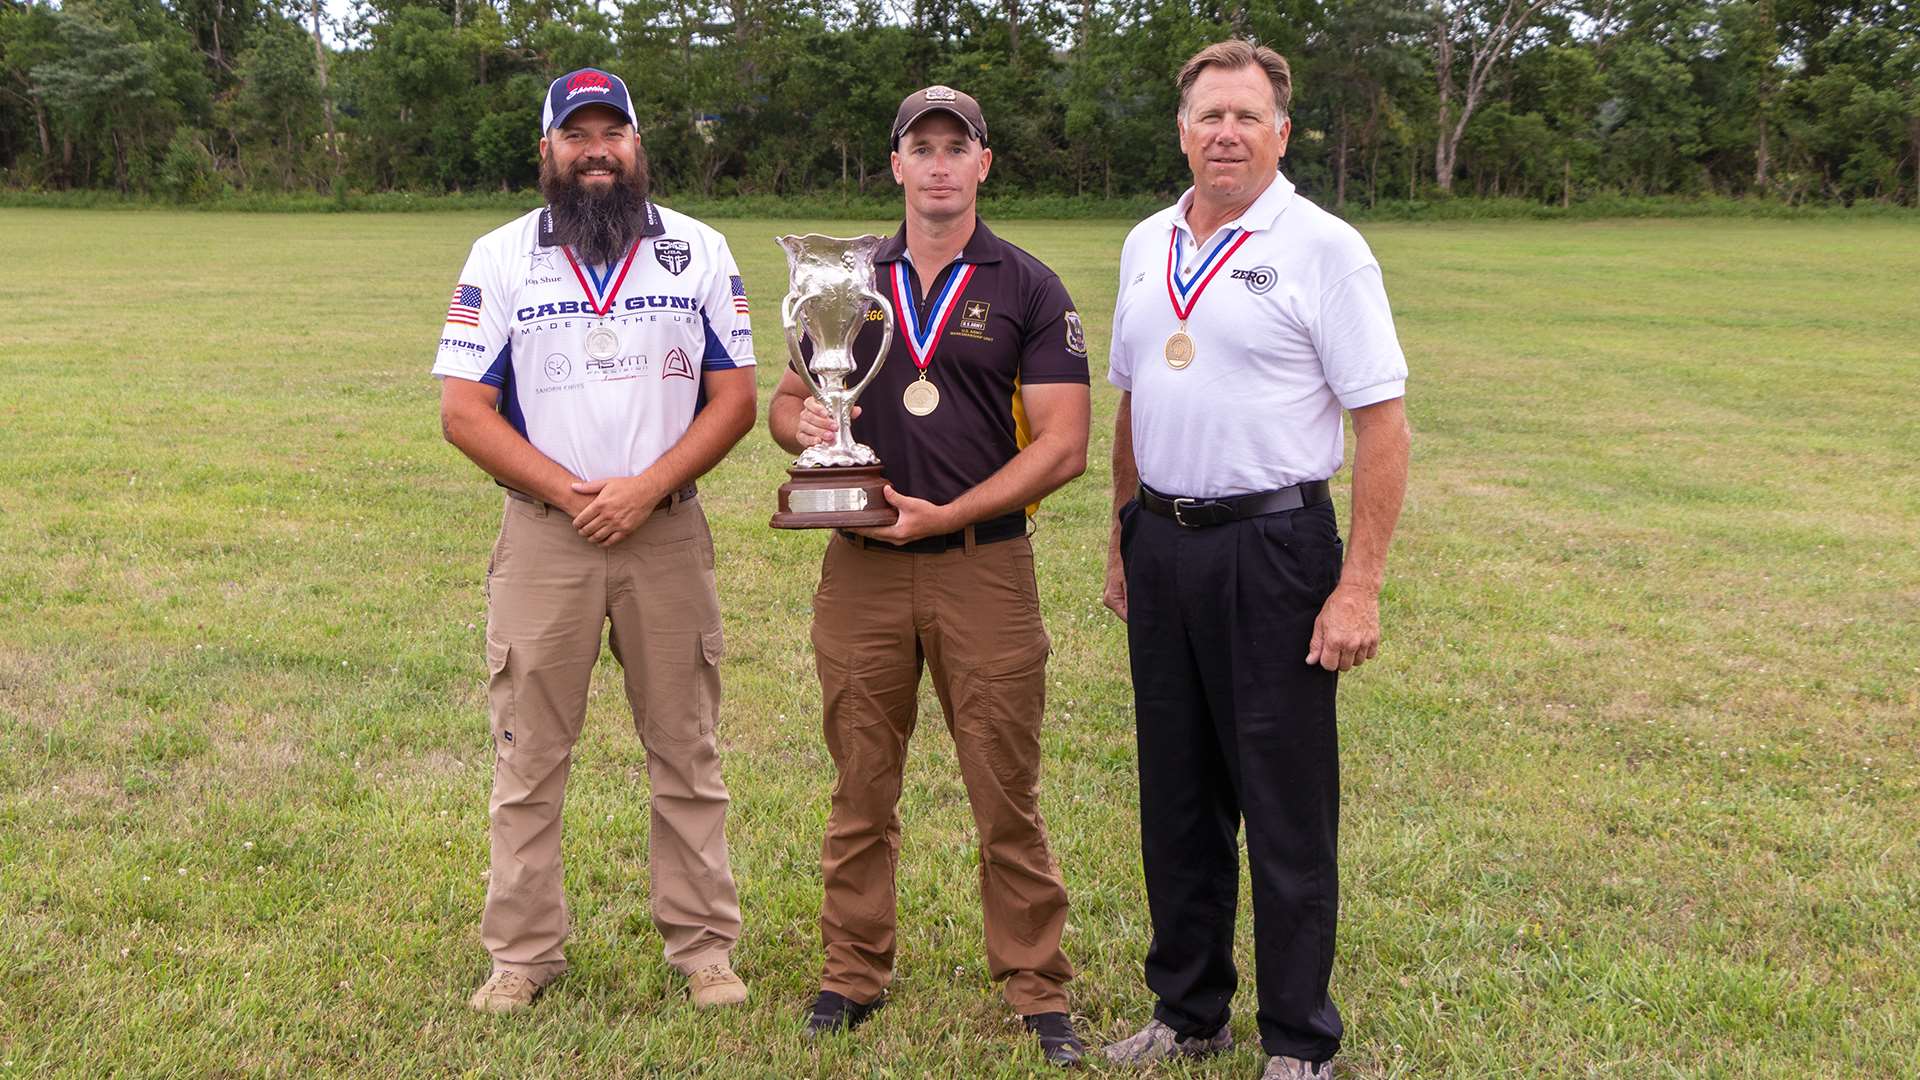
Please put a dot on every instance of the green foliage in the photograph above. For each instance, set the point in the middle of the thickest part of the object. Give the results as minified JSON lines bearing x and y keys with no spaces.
{"x":187,"y":173}
{"x":278,"y":109}
{"x":787,"y":98}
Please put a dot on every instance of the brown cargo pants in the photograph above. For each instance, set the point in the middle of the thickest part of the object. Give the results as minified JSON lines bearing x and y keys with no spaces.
{"x":973,"y":616}
{"x":549,"y":591}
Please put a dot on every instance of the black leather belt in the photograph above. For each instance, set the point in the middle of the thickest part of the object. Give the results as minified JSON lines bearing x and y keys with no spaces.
{"x":682,"y":495}
{"x":1195,"y":513}
{"x":985,"y":532}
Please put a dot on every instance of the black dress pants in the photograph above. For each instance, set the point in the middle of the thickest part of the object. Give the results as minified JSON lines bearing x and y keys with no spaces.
{"x":1234,"y":725}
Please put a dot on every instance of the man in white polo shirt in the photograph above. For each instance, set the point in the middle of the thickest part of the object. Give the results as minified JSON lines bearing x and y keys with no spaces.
{"x":1247,"y":320}
{"x":596,"y":359}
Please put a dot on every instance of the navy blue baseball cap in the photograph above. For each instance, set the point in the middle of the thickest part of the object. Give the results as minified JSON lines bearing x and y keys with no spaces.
{"x":588,"y":86}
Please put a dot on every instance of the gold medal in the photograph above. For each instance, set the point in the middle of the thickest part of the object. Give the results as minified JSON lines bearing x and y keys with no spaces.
{"x":1179,"y":350}
{"x":921,"y":398}
{"x":1185,"y":291}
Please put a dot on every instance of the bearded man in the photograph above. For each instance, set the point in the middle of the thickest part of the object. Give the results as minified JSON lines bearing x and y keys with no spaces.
{"x":596,"y":360}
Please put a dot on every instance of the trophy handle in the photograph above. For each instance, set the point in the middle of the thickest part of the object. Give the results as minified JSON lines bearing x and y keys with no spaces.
{"x":789,"y":322}
{"x":886,"y":338}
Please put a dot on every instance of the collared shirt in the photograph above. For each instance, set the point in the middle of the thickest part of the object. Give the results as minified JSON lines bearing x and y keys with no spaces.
{"x":1291,"y":326}
{"x":1007,"y":322}
{"x":521,"y":317}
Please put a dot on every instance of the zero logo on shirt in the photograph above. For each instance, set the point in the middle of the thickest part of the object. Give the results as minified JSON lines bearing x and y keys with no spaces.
{"x":1259,"y":279}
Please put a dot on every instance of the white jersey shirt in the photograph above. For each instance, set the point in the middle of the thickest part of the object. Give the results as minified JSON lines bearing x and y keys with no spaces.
{"x":523,"y":318}
{"x":1290,"y":324}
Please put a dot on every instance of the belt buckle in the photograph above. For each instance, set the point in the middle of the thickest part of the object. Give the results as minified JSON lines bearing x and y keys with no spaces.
{"x":1181,"y":504}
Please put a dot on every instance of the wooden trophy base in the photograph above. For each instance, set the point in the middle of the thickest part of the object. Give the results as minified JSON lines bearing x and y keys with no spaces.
{"x":834,"y":497}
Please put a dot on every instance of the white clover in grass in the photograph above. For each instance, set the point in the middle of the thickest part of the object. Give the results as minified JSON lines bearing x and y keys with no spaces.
{"x":248,"y":845}
{"x":182,"y":871}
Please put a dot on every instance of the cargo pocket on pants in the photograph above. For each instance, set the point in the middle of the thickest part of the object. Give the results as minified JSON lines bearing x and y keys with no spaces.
{"x":501,"y":696}
{"x":683,"y":688}
{"x":1013,"y":698}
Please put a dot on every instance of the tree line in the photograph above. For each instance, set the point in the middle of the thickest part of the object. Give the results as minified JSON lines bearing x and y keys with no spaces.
{"x":1550,"y":100}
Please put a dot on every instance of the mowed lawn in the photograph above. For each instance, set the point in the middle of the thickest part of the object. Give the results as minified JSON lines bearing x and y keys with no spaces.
{"x":1631,"y":790}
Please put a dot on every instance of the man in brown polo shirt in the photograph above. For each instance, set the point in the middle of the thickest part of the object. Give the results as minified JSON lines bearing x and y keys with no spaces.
{"x":980,"y":410}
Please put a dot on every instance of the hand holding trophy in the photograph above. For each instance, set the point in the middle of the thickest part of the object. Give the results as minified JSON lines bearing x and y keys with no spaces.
{"x":834,"y":484}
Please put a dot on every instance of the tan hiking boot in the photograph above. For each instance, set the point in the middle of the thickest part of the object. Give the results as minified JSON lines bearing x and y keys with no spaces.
{"x":504,"y":991}
{"x":716,"y":984}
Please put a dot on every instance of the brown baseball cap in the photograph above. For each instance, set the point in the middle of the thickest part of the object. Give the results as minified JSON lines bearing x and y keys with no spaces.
{"x":939,"y":99}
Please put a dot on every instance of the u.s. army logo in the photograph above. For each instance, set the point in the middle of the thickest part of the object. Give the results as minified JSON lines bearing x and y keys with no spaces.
{"x":973,"y":314}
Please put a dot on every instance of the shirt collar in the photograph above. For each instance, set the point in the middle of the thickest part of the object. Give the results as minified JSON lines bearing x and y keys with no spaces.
{"x":982,"y":246}
{"x":654,"y":226}
{"x":1264,"y":212}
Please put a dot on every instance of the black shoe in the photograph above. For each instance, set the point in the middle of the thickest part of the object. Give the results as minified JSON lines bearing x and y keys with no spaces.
{"x":1057,"y":1040}
{"x":834,"y":1012}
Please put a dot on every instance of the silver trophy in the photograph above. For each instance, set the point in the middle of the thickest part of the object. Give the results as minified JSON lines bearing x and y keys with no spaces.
{"x":830,"y":295}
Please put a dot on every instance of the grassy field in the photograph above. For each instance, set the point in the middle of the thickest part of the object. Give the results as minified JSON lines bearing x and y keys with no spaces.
{"x":1631,"y":790}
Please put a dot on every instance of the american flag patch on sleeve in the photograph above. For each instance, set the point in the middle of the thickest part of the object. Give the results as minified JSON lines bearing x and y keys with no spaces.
{"x":739,"y":289}
{"x":465,"y":308}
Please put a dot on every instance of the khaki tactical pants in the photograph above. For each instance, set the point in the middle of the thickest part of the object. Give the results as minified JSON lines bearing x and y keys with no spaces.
{"x":974,"y":617}
{"x":549,"y":591}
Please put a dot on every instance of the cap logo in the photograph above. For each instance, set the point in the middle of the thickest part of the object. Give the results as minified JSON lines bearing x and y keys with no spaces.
{"x":588,"y":82}
{"x":941,"y":93}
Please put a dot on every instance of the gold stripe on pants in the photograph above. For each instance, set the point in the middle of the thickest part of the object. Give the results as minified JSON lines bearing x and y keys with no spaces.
{"x":974,"y":617}
{"x":549,"y":591}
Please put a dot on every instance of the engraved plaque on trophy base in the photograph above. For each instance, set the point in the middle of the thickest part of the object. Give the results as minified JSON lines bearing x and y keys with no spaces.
{"x":834,"y":497}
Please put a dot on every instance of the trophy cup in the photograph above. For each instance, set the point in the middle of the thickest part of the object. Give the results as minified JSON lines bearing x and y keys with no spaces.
{"x":834,"y":484}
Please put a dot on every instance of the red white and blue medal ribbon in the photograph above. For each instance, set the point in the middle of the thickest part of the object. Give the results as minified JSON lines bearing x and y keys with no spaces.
{"x":923,"y":397}
{"x":1185,"y":290}
{"x":601,"y":291}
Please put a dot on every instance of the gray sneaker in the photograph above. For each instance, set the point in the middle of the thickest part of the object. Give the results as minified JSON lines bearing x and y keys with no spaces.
{"x":1157,"y":1042}
{"x":1292,"y":1068}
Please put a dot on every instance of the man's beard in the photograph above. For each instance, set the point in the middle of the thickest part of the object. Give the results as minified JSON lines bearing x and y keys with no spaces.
{"x":599,"y":223}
